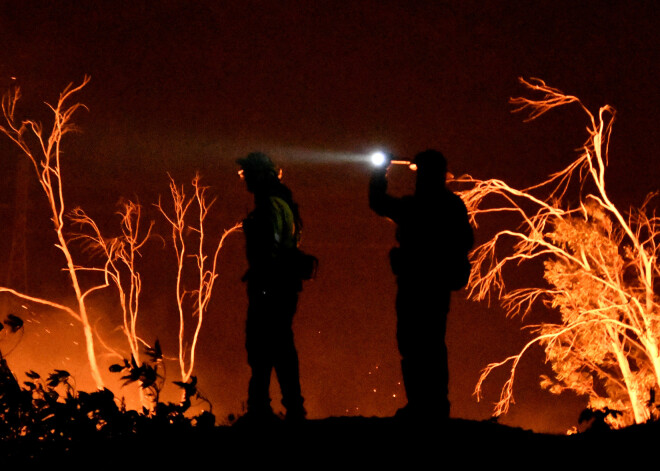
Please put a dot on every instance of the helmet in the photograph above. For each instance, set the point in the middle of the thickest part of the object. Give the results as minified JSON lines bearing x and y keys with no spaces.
{"x":257,"y":162}
{"x":431,"y":160}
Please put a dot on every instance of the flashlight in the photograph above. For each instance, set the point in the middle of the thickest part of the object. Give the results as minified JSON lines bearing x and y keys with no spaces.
{"x":379,"y":159}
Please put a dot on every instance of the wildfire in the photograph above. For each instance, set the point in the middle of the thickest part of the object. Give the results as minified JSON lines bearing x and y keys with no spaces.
{"x":119,"y":254}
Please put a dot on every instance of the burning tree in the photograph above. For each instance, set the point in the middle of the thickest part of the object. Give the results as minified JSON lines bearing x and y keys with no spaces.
{"x":192,"y":302}
{"x":44,"y":152}
{"x":118,"y":254}
{"x":600,"y":270}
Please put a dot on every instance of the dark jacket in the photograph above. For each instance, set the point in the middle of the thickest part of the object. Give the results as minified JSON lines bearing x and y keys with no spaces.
{"x":433,"y":232}
{"x":272,"y":233}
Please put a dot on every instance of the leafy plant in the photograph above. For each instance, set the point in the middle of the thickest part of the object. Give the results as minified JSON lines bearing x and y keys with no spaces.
{"x":150,"y":380}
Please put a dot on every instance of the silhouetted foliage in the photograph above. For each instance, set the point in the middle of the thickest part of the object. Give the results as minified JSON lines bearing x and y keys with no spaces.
{"x":145,"y":374}
{"x":151,"y":381}
{"x":598,"y":418}
{"x":48,"y":413}
{"x":14,"y":323}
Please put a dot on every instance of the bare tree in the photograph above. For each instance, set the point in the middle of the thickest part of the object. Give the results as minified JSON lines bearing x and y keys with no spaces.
{"x":119,"y":255}
{"x":600,"y":269}
{"x":192,"y":302}
{"x":44,"y":152}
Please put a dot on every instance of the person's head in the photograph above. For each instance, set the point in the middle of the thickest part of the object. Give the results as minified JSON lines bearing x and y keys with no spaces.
{"x":431,"y":170}
{"x":257,"y":170}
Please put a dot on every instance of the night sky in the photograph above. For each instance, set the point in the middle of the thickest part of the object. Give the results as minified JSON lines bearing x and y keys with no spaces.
{"x":181,"y":87}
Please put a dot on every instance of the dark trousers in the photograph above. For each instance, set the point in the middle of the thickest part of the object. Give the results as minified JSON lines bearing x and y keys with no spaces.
{"x":422,"y":307}
{"x":270,"y":345}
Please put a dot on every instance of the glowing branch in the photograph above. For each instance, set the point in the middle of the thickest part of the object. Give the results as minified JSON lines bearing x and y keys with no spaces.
{"x":45,"y":302}
{"x":551,"y":98}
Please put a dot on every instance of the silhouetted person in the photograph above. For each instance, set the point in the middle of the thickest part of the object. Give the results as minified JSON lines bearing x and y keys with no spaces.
{"x":271,"y":234}
{"x":434,"y":235}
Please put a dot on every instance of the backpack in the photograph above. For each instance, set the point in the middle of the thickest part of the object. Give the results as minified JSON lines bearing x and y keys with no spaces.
{"x":303,"y":265}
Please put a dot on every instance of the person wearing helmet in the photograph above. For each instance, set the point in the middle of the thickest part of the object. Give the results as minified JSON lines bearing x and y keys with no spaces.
{"x":272,"y":232}
{"x":434,"y":237}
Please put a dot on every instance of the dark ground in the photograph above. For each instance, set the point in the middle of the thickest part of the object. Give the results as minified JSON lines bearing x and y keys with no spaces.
{"x":347,"y":443}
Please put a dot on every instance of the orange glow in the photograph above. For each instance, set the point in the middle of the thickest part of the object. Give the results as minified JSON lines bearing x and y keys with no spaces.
{"x":119,"y":253}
